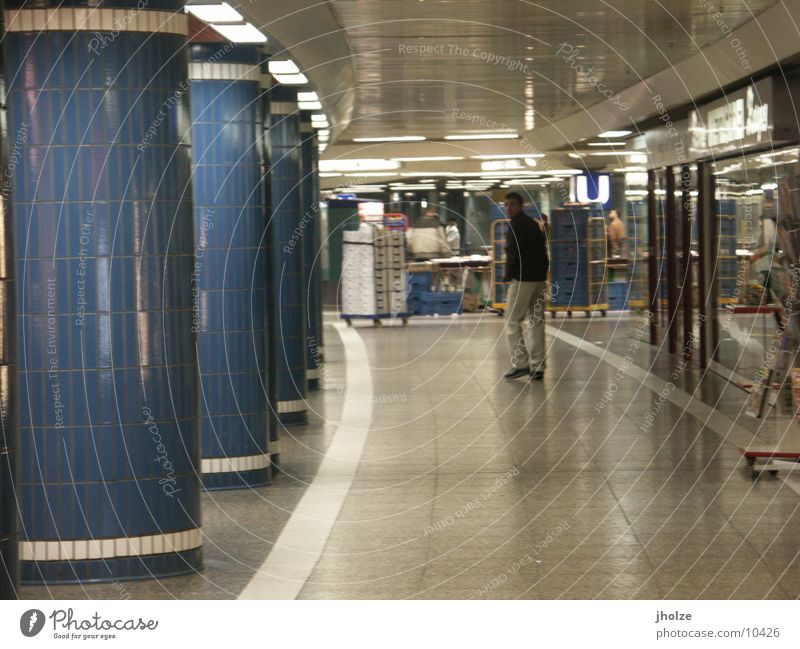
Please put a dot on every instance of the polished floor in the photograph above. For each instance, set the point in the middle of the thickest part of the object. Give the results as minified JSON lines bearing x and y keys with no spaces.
{"x":601,"y":481}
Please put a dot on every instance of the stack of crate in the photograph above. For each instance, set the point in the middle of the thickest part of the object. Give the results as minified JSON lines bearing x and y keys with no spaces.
{"x":390,"y":273}
{"x":727,"y":265}
{"x":358,"y":271}
{"x":578,"y":260}
{"x":636,"y":223}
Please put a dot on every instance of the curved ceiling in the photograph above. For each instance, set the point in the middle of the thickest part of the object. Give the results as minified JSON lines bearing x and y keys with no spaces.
{"x":310,"y":32}
{"x":444,"y":67}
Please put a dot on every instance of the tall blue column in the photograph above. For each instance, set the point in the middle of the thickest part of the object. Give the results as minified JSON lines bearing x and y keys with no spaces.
{"x":311,"y":248}
{"x":230,"y":263}
{"x":271,"y":319}
{"x":286,"y":257}
{"x":9,"y":513}
{"x":103,"y":242}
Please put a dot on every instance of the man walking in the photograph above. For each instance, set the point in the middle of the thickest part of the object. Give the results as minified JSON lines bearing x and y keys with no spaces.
{"x":526,"y":269}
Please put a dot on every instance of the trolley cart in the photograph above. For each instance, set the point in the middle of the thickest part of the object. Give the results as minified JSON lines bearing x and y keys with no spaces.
{"x":377,"y":318}
{"x":771,"y":461}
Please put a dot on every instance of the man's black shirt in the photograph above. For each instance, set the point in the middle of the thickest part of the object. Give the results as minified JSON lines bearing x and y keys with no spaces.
{"x":526,"y":250}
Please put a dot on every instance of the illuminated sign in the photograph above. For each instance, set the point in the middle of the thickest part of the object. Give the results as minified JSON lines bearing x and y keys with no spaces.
{"x":592,"y":188}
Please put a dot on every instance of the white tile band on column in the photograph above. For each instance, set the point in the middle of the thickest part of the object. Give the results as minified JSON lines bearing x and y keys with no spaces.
{"x":205,"y":71}
{"x":297,"y":405}
{"x":234,"y":464}
{"x":77,"y":19}
{"x":130,"y":546}
{"x":299,"y":546}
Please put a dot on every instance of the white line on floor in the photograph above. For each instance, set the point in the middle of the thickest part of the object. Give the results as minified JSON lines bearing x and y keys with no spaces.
{"x":299,"y":546}
{"x":713,"y":419}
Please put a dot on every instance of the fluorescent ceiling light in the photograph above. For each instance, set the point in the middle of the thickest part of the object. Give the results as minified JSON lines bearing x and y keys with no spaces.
{"x":404,"y":187}
{"x":370,"y":174}
{"x":615,"y":133}
{"x":358,"y":164}
{"x":325,"y":174}
{"x":291,"y":79}
{"x":638,"y":158}
{"x":390,"y":138}
{"x":606,"y":143}
{"x":499,"y":165}
{"x":306,"y":96}
{"x":283,"y":67}
{"x":507,"y":156}
{"x":577,"y":156}
{"x":616,"y":153}
{"x":436,"y":158}
{"x":309,"y":105}
{"x":215,"y":13}
{"x":319,"y":117}
{"x":244,"y":33}
{"x":483,"y":136}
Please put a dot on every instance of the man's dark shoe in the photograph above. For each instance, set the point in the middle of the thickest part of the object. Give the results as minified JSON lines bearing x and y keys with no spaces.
{"x":537,"y":375}
{"x":515,"y":374}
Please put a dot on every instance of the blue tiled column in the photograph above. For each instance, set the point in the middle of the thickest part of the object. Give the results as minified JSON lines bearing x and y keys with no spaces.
{"x":230,"y":271}
{"x":9,"y":573}
{"x":271,"y":317}
{"x":103,"y":242}
{"x":286,"y":256}
{"x":311,"y":248}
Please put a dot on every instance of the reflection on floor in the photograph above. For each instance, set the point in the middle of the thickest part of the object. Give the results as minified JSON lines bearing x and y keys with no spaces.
{"x":586,"y":485}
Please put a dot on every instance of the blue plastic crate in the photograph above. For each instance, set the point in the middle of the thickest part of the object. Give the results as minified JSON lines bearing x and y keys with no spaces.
{"x":566,"y":231}
{"x":618,"y":289}
{"x":421,"y":281}
{"x":566,"y":251}
{"x":727,"y":267}
{"x":617,"y":302}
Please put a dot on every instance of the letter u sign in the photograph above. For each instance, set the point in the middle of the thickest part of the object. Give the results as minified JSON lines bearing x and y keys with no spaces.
{"x":602,"y":187}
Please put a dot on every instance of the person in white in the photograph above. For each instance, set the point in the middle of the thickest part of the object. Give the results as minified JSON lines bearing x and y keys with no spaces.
{"x":453,"y":236}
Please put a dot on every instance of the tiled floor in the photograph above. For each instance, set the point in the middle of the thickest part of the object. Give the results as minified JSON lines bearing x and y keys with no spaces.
{"x":471,"y":486}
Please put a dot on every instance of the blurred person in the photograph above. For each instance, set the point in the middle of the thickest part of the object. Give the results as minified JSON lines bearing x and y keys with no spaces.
{"x":453,"y":236}
{"x":527,"y":264}
{"x":426,"y":240}
{"x":617,"y":237}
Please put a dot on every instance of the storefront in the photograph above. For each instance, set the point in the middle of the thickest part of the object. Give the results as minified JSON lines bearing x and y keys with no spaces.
{"x":707,"y":215}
